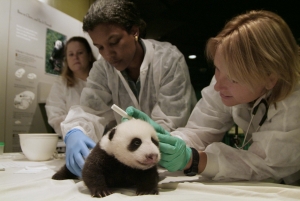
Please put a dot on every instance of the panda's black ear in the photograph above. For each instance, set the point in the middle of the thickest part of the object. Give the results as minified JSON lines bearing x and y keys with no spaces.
{"x":111,"y":133}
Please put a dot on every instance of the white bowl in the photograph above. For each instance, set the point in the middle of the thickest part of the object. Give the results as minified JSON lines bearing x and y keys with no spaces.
{"x":38,"y":146}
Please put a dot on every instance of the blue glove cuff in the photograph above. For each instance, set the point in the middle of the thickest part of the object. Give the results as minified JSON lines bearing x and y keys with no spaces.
{"x":70,"y":132}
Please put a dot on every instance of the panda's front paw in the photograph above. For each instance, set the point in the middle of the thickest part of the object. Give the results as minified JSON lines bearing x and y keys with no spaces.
{"x":102,"y":192}
{"x":147,"y":192}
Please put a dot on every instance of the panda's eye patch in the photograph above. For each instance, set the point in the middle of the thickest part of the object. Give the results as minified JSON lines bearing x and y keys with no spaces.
{"x":134,"y":144}
{"x":154,"y":141}
{"x":111,"y":133}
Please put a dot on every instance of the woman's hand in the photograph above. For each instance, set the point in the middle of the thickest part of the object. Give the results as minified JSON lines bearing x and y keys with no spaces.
{"x":137,"y":114}
{"x":175,"y":154}
{"x":78,"y":147}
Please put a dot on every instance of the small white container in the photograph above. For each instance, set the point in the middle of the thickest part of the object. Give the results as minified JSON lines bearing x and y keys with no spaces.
{"x":38,"y":146}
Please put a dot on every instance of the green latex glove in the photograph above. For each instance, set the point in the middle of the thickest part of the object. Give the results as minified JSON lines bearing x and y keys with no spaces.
{"x":175,"y":154}
{"x":137,"y":114}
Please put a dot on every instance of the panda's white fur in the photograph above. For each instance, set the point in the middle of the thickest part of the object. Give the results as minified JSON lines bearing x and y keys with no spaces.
{"x":146,"y":156}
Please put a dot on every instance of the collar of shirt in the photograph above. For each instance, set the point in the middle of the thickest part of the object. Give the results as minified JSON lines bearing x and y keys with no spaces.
{"x":134,"y":86}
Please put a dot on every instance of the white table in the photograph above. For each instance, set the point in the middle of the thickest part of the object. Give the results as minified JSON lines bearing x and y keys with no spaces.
{"x":26,"y":180}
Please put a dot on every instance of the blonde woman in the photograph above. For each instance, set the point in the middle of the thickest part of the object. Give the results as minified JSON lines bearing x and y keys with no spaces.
{"x":256,"y":86}
{"x":66,"y":90}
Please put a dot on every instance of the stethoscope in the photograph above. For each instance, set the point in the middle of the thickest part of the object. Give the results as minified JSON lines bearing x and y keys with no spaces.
{"x":263,"y":119}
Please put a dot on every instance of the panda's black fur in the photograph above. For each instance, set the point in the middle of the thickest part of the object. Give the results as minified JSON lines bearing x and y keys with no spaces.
{"x":125,"y":157}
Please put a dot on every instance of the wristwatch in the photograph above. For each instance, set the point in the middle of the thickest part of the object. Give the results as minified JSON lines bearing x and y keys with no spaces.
{"x":193,"y":170}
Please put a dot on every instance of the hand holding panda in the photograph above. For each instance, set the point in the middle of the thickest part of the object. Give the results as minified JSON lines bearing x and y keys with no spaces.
{"x":175,"y":154}
{"x":127,"y":155}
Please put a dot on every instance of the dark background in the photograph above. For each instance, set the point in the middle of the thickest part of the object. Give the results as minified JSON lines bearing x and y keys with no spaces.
{"x":188,"y":24}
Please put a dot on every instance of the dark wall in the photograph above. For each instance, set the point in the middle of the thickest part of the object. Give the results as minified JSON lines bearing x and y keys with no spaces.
{"x":189,"y":23}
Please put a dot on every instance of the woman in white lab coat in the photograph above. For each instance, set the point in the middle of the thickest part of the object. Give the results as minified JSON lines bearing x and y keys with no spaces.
{"x":66,"y":90}
{"x":150,"y":75}
{"x":256,"y":86}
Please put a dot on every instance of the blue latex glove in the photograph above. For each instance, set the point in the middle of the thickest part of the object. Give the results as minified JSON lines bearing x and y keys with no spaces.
{"x":78,"y":147}
{"x":174,"y":153}
{"x":137,"y":114}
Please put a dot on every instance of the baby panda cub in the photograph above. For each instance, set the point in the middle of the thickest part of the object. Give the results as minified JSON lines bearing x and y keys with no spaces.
{"x":126,"y":156}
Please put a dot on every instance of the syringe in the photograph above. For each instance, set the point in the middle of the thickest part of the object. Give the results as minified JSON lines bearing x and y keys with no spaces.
{"x":120,"y":111}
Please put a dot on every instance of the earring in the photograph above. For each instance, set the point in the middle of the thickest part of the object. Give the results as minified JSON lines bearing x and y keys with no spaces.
{"x":136,"y":38}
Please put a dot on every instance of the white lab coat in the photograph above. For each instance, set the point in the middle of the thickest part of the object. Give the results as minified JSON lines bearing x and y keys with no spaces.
{"x":274,"y":152}
{"x":166,"y":93}
{"x":59,"y":101}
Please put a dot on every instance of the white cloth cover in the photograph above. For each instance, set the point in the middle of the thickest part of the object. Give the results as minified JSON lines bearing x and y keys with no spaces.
{"x":172,"y":186}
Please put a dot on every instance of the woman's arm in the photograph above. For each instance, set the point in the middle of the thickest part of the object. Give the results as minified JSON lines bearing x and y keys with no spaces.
{"x":175,"y":97}
{"x":56,"y":105}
